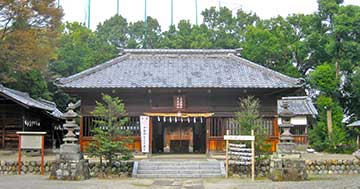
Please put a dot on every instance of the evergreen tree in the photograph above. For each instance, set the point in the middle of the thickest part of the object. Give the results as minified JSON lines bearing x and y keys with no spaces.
{"x":106,"y":143}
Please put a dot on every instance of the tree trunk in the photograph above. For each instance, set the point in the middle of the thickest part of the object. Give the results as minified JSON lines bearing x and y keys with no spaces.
{"x":329,"y":122}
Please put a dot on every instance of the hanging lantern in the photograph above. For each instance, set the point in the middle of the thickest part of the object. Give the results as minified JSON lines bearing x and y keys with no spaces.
{"x":194,"y":119}
{"x":175,"y":119}
{"x":181,"y":120}
{"x":170,"y":119}
{"x":158,"y":118}
{"x":164,"y":119}
{"x":188,"y":119}
{"x":201,"y":120}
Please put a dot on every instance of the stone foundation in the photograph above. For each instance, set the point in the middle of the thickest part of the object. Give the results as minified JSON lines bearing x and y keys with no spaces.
{"x":287,"y":170}
{"x":70,"y":170}
{"x":122,"y":168}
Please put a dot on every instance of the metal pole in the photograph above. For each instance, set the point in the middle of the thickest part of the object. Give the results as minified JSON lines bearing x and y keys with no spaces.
{"x":58,"y":3}
{"x":172,"y":12}
{"x":88,"y":14}
{"x":196,"y":12}
{"x":117,"y":7}
{"x":145,"y":23}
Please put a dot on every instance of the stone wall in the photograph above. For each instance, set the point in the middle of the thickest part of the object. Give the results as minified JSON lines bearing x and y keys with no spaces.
{"x":313,"y":167}
{"x":123,"y":168}
{"x":262,"y":168}
{"x":331,"y":167}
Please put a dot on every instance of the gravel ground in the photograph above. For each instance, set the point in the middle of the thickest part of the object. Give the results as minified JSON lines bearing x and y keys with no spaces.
{"x":42,"y":182}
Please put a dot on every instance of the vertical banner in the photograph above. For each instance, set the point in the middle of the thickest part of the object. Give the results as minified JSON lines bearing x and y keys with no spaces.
{"x":144,"y":130}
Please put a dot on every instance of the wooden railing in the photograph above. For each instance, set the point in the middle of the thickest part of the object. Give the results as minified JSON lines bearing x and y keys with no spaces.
{"x":218,"y":127}
{"x":131,"y":128}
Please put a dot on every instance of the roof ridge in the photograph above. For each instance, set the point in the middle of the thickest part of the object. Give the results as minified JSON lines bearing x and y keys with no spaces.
{"x":276,"y":73}
{"x":184,"y":51}
{"x":64,"y":80}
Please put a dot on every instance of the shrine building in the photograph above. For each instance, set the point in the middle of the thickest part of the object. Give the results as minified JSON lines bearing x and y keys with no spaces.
{"x":190,"y":96}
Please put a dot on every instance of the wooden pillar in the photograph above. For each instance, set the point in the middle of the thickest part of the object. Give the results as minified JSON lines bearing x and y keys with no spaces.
{"x":207,"y":135}
{"x":276,"y":133}
{"x":3,"y":135}
{"x":329,"y":122}
{"x":81,"y":133}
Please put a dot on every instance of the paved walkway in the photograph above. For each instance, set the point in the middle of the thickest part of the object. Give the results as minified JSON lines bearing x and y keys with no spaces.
{"x":41,"y":182}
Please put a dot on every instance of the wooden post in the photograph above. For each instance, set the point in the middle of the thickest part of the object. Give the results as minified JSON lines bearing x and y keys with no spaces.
{"x":227,"y":155}
{"x":329,"y":122}
{"x":19,"y":155}
{"x":207,"y":133}
{"x":42,"y":155}
{"x":81,"y":133}
{"x":252,"y":157}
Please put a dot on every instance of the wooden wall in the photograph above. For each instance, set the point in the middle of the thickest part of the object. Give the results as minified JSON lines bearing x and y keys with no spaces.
{"x":12,"y":116}
{"x":221,"y":102}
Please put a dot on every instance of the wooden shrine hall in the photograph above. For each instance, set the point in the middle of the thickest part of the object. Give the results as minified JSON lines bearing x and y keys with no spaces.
{"x":20,"y":112}
{"x":190,"y":95}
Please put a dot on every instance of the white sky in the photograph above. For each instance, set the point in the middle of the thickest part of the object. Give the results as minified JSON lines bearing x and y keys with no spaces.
{"x":133,"y":10}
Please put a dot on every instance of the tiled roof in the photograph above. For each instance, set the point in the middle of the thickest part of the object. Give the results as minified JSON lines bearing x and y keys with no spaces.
{"x":179,"y":68}
{"x":299,"y":105}
{"x":354,"y":124}
{"x":25,"y":99}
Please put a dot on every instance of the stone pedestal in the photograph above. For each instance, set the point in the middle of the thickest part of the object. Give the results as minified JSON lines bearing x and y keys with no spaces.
{"x":70,"y":163}
{"x":286,"y":164}
{"x":287,"y":169}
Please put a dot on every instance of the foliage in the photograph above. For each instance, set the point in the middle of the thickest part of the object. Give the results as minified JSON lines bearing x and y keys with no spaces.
{"x":106,"y":143}
{"x":323,"y":78}
{"x":114,"y":31}
{"x":80,"y":49}
{"x":249,"y":119}
{"x":318,"y":135}
{"x":28,"y":37}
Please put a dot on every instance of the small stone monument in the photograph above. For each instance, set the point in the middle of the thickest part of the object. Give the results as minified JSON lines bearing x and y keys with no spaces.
{"x":286,"y":164}
{"x":70,"y":164}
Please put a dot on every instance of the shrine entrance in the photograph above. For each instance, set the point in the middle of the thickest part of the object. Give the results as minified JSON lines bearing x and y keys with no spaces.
{"x":178,"y":136}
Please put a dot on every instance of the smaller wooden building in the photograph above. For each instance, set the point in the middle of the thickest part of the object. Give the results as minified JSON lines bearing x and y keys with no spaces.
{"x":305,"y":114}
{"x":20,"y":112}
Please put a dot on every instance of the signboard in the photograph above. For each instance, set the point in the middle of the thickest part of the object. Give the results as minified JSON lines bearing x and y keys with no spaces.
{"x":238,"y":153}
{"x":144,"y":130}
{"x":31,"y":141}
{"x":239,"y":137}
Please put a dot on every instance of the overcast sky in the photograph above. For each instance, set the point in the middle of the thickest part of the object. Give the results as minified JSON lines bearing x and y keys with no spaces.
{"x":133,"y":10}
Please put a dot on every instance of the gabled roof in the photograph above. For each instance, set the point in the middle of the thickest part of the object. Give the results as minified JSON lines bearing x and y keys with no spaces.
{"x":179,"y":68}
{"x":25,"y":100}
{"x":299,"y":105}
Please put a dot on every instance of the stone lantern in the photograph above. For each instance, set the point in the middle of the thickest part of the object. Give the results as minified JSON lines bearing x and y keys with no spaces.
{"x":286,"y":144}
{"x":70,"y":164}
{"x":286,"y":164}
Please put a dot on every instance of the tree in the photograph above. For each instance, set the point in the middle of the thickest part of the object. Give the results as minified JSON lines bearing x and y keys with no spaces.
{"x":141,"y":37}
{"x":28,"y":37}
{"x":114,"y":31}
{"x":80,"y":48}
{"x":106,"y":143}
{"x":249,"y":119}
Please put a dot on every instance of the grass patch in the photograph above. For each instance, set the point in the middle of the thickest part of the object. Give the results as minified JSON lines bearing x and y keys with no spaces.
{"x":141,"y":185}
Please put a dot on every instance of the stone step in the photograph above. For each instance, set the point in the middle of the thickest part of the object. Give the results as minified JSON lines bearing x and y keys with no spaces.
{"x":179,"y":171}
{"x":178,"y":175}
{"x":178,"y":166}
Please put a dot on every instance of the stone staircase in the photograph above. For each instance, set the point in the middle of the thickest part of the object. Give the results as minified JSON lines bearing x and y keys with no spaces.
{"x":178,"y":168}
